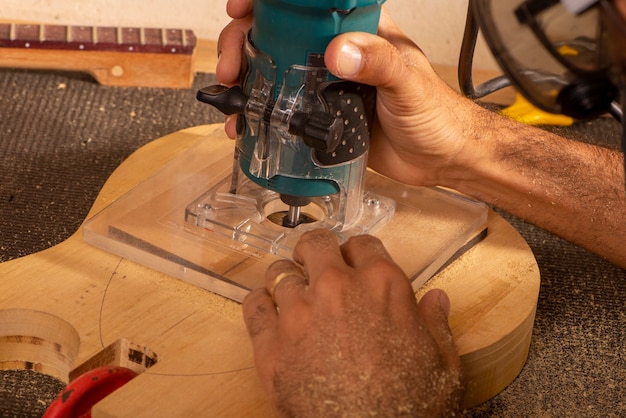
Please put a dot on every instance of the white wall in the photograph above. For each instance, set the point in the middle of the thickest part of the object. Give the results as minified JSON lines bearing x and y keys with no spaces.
{"x":436,"y":25}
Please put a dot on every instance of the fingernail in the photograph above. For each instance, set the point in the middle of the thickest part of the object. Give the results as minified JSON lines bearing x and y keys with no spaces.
{"x":350,"y":60}
{"x":444,"y":303}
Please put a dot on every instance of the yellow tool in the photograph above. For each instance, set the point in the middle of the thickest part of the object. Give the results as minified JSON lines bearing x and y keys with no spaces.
{"x":523,"y":111}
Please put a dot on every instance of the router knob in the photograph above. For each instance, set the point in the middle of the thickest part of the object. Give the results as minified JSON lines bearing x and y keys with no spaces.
{"x":228,"y":100}
{"x":319,"y":130}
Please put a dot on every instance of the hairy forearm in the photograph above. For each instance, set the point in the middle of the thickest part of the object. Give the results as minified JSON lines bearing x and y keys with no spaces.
{"x":572,"y":189}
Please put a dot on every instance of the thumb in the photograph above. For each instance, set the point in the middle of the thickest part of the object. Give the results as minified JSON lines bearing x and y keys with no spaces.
{"x":386,"y":60}
{"x":366,"y":59}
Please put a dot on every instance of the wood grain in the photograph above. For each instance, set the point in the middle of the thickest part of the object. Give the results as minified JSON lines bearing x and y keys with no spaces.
{"x":205,"y":359}
{"x":125,"y":57}
{"x":108,"y":68}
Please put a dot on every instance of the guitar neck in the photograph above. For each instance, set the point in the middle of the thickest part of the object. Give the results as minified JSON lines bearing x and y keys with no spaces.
{"x":95,"y":38}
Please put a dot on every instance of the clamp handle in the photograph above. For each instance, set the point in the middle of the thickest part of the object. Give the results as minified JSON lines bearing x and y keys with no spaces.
{"x":228,"y":100}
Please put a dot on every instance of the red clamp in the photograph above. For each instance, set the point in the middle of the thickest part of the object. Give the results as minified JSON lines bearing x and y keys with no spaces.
{"x":88,"y":389}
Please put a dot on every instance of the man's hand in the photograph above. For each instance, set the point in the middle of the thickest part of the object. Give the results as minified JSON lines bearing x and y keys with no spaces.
{"x":420,"y":121}
{"x":339,"y":333}
{"x":427,"y":134}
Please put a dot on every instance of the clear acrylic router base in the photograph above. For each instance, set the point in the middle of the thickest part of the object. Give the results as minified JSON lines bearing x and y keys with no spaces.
{"x":183,"y":221}
{"x":254,"y":216}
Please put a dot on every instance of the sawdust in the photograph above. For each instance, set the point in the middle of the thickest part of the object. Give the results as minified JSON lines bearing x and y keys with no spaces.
{"x":203,"y":299}
{"x":446,"y":278}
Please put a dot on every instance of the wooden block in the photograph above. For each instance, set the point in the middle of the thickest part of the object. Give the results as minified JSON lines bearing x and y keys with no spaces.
{"x":120,"y":353}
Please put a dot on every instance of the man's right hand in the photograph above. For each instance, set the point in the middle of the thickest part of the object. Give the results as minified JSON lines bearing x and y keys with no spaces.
{"x":421,"y":125}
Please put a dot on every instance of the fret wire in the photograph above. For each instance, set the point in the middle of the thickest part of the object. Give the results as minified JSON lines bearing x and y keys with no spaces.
{"x":142,"y":36}
{"x":12,"y":30}
{"x":163,"y":37}
{"x":94,"y":34}
{"x":119,"y":35}
{"x":183,"y":36}
{"x":41,"y":34}
{"x":68,"y":34}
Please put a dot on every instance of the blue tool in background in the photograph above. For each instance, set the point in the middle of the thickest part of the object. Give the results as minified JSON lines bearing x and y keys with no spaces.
{"x":301,"y":132}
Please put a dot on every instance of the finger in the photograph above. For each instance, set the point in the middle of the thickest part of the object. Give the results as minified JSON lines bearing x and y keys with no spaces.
{"x":286,"y":283}
{"x":230,"y":126}
{"x":379,"y":271}
{"x":434,"y":307}
{"x":238,"y":8}
{"x":259,"y":313}
{"x":362,"y":250}
{"x":261,"y":319}
{"x":230,"y":50}
{"x":318,"y":252}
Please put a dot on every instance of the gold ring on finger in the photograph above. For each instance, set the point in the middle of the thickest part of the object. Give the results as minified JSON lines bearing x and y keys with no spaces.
{"x":279,"y":277}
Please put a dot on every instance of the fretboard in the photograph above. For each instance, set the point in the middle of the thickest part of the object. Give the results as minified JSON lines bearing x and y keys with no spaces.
{"x":94,"y":38}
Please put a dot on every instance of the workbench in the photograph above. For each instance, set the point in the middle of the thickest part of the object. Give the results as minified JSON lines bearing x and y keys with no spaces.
{"x":576,"y":354}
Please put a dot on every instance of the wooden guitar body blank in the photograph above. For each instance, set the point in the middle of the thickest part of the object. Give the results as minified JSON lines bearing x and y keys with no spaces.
{"x":206,"y":365}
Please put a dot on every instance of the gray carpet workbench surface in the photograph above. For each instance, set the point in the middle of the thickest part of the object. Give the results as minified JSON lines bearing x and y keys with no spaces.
{"x":62,"y":135}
